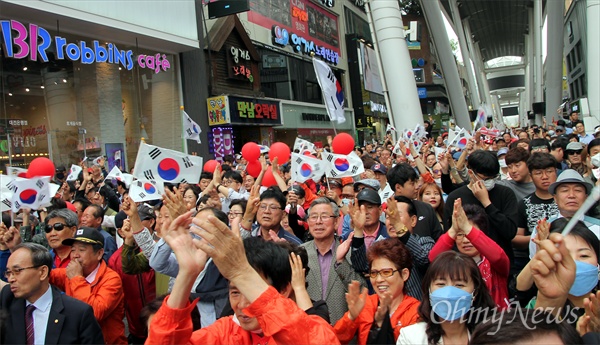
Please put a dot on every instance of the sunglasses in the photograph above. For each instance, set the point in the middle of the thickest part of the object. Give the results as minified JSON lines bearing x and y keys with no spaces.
{"x":385,"y":273}
{"x":574,"y":152}
{"x":56,"y":226}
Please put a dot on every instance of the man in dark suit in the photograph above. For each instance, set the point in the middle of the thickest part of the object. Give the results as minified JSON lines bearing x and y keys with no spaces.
{"x":55,"y":317}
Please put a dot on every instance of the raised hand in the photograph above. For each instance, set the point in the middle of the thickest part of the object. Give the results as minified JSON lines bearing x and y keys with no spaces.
{"x":384,"y":307}
{"x":343,"y":248}
{"x":479,"y":190}
{"x":553,"y":268}
{"x":298,"y":272}
{"x":273,"y":236}
{"x":356,"y":299}
{"x":358,"y":217}
{"x":590,"y":321}
{"x":543,"y":229}
{"x":178,"y":237}
{"x":394,"y":218}
{"x":223,"y":245}
{"x":127,"y":233}
{"x":299,"y":282}
{"x":459,"y":218}
{"x":174,"y":203}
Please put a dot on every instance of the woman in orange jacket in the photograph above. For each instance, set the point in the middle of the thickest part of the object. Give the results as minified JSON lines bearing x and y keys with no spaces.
{"x":378,"y":318}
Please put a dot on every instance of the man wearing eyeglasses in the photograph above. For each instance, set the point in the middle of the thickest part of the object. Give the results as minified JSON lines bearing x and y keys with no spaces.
{"x":268,"y":209}
{"x":330,"y":269}
{"x":39,"y":313}
{"x":534,"y":207}
{"x":60,"y":225}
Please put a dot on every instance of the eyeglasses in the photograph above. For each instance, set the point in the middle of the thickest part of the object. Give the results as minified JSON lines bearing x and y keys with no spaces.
{"x":385,"y":273}
{"x":324,"y":217}
{"x":540,"y":172}
{"x":460,"y":235}
{"x":56,"y":226}
{"x":265,"y":207}
{"x":437,"y":171}
{"x":574,"y":152}
{"x":234,"y":214}
{"x":17,"y":271}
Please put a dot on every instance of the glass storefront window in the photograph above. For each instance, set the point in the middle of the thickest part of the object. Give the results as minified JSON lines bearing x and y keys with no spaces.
{"x":49,"y":107}
{"x":288,"y":78}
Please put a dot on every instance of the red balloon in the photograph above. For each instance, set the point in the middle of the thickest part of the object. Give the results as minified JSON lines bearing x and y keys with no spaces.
{"x":210,"y":166}
{"x":253,"y":168}
{"x":41,"y":166}
{"x":343,"y":143}
{"x":250,"y":151}
{"x":268,"y":179}
{"x":281,"y":151}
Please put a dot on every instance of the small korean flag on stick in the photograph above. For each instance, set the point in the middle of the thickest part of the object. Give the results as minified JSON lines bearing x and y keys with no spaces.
{"x":145,"y":190}
{"x":342,"y":165}
{"x":305,"y":168}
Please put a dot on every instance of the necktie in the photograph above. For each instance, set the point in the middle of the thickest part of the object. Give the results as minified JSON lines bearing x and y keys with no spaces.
{"x":29,"y":324}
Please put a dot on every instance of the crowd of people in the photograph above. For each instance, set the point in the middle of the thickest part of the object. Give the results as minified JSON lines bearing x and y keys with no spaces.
{"x":430,"y":245}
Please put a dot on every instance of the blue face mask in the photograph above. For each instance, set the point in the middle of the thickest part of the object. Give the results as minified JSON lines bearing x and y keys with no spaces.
{"x":586,"y":279}
{"x":450,"y":303}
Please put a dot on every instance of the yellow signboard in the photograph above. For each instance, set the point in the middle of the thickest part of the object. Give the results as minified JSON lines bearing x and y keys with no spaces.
{"x":218,"y":112}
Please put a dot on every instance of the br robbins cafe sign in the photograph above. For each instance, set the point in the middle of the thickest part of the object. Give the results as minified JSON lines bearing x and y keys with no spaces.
{"x":32,"y":41}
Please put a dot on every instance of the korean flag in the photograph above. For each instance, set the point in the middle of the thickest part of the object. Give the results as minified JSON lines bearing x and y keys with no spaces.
{"x":31,"y":193}
{"x":305,"y":168}
{"x":164,"y":165}
{"x":342,"y":165}
{"x":144,"y":190}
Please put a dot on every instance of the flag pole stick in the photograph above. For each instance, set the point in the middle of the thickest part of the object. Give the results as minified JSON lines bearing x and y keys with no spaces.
{"x":334,"y":130}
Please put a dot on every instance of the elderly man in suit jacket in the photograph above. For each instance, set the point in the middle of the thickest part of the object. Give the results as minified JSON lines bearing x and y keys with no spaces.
{"x":330,"y":269}
{"x":38,"y":313}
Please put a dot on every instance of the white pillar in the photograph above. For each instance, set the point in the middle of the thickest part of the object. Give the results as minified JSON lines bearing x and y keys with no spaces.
{"x":473,"y":56}
{"x":526,"y":96}
{"x":554,"y":58}
{"x":388,"y":34}
{"x":538,"y":73}
{"x":464,"y":50}
{"x":437,"y":30}
{"x":593,"y":56}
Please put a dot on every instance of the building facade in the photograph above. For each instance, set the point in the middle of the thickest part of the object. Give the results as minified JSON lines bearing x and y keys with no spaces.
{"x":83,"y":79}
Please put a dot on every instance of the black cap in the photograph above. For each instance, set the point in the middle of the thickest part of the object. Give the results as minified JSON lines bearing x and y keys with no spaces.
{"x":85,"y":235}
{"x":119,"y":218}
{"x":369,"y":195}
{"x":146,"y":212}
{"x":299,"y":191}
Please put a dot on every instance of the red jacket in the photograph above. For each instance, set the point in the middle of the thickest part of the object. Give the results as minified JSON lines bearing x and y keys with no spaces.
{"x":405,"y":315}
{"x":139,"y":290}
{"x":280,"y":319}
{"x":104,"y":294}
{"x":494,"y":265}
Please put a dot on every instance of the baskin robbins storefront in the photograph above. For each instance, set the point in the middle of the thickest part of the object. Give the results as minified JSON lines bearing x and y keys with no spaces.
{"x":68,"y":91}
